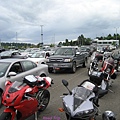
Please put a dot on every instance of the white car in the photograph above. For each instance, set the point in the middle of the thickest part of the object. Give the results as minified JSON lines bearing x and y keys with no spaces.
{"x":39,"y":57}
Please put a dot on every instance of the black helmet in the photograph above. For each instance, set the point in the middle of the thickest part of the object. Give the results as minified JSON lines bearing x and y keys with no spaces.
{"x":108,"y":115}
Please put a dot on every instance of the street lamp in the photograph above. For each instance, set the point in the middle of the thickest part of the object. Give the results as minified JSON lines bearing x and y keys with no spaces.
{"x":116,"y":31}
{"x":16,"y":40}
{"x":41,"y":35}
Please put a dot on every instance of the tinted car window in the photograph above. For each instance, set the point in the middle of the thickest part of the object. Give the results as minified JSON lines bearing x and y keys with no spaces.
{"x":28,"y":65}
{"x":3,"y":68}
{"x":16,"y":67}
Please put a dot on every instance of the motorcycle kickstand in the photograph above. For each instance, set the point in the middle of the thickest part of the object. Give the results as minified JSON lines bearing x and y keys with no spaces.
{"x":36,"y":116}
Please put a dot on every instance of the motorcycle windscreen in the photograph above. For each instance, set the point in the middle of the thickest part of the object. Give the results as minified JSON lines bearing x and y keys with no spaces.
{"x":80,"y":95}
{"x":16,"y":86}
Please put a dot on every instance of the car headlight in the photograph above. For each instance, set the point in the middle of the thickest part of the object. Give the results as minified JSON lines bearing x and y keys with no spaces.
{"x":67,"y":60}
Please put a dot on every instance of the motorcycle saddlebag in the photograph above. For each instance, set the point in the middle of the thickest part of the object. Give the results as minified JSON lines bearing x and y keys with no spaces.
{"x":96,"y":77}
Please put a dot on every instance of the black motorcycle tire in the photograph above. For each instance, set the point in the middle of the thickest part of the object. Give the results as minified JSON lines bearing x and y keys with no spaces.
{"x":5,"y":116}
{"x":44,"y":99}
{"x":68,"y":117}
{"x":0,"y":99}
{"x":73,"y":69}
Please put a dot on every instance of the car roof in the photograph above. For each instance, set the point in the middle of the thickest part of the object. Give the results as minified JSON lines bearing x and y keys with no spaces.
{"x":11,"y":60}
{"x":69,"y":47}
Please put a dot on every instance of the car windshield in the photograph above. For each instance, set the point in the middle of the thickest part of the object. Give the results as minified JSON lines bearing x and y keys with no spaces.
{"x":38,"y":55}
{"x":64,"y":51}
{"x":3,"y":68}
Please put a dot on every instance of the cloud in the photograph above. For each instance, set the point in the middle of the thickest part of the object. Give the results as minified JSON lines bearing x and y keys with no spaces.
{"x":61,"y":19}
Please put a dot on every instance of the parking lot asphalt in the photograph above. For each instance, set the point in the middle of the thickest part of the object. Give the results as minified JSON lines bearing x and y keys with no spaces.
{"x":111,"y":101}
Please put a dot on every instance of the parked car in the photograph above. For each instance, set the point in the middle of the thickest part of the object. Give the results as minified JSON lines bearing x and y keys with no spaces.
{"x":39,"y":57}
{"x":17,"y":69}
{"x":66,"y":58}
{"x":86,"y":50}
{"x":29,"y":51}
{"x":11,"y":54}
{"x":100,"y":49}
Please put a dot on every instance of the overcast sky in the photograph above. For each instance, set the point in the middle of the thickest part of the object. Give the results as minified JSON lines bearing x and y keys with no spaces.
{"x":22,"y":20}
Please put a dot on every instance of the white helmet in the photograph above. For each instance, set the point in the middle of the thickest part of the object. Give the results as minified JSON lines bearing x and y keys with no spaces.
{"x":108,"y":115}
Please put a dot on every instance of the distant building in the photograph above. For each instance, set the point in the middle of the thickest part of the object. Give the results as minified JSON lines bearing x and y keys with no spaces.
{"x":105,"y":42}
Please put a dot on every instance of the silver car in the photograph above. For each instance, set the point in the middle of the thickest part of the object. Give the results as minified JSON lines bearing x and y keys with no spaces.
{"x":17,"y":69}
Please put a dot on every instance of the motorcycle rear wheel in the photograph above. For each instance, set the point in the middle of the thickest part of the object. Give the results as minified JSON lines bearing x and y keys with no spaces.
{"x":0,"y":99}
{"x":5,"y":116}
{"x":43,"y":99}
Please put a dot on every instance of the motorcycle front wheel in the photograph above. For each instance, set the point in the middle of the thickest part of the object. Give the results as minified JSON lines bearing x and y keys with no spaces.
{"x":68,"y":117}
{"x":43,"y":99}
{"x":5,"y":116}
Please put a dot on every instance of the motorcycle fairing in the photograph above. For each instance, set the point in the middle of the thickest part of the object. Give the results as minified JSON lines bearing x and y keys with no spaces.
{"x":80,"y":94}
{"x":16,"y":86}
{"x":26,"y":107}
{"x":13,"y":96}
{"x":78,"y":102}
{"x":11,"y":110}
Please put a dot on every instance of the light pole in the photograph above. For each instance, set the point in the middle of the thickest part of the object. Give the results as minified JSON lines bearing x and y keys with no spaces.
{"x":16,"y":40}
{"x":116,"y":31}
{"x":41,"y":34}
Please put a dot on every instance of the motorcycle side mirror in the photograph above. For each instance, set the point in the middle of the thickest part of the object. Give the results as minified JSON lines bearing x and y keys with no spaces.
{"x":65,"y":83}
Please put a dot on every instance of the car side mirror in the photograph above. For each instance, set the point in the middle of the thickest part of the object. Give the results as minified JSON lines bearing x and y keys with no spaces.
{"x":12,"y":74}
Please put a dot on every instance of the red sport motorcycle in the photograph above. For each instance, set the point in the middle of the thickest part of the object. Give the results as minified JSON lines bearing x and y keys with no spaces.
{"x":23,"y":99}
{"x":108,"y":68}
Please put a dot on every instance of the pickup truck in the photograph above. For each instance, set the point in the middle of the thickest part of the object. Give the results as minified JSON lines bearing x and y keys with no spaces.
{"x":64,"y":58}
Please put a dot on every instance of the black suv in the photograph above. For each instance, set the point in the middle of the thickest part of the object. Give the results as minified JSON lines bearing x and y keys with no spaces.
{"x":68,"y":57}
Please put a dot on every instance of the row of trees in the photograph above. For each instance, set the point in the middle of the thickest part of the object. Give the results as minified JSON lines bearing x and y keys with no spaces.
{"x":81,"y":40}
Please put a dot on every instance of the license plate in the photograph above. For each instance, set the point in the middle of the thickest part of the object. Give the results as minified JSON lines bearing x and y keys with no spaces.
{"x":55,"y":64}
